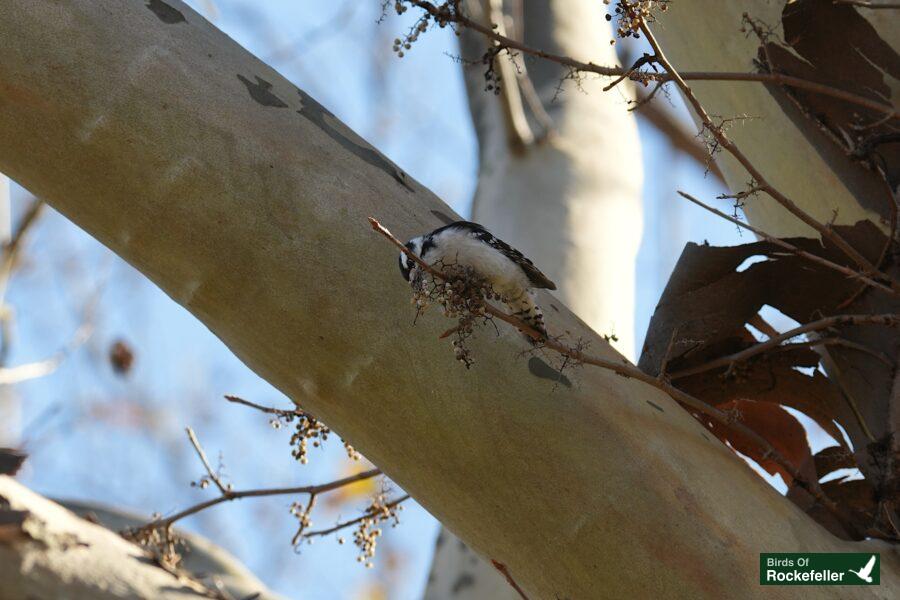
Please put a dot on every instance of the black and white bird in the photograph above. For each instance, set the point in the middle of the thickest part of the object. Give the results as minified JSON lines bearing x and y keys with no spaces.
{"x":508,"y":271}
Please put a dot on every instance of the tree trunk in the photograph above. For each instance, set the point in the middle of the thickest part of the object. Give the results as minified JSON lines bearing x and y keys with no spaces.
{"x":570,"y":199}
{"x":246,"y":201}
{"x":801,"y":154}
{"x":48,"y":552}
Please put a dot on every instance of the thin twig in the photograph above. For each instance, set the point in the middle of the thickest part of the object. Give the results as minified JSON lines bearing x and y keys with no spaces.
{"x":530,"y":94}
{"x":681,"y":137}
{"x":836,"y":341}
{"x":214,"y":477}
{"x":668,"y":355}
{"x":834,"y":373}
{"x":888,"y":243}
{"x":304,"y":519}
{"x":867,"y":4}
{"x":365,"y":515}
{"x":281,"y":412}
{"x":890,"y":320}
{"x":509,"y":578}
{"x":640,"y":62}
{"x":256,"y":493}
{"x":790,"y":247}
{"x":28,"y":219}
{"x":42,"y":368}
{"x":642,"y":76}
{"x":8,"y":262}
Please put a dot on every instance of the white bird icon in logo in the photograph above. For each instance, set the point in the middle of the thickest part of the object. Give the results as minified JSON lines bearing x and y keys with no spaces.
{"x":865,"y":572}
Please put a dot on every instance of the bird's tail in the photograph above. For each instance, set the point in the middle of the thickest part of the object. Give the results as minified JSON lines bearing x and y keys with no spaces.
{"x":525,"y":308}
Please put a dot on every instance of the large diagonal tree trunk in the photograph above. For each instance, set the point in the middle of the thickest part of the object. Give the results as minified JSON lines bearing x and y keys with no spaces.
{"x":246,"y":201}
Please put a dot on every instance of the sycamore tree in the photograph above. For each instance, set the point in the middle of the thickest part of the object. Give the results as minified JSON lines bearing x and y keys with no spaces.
{"x":249,"y":204}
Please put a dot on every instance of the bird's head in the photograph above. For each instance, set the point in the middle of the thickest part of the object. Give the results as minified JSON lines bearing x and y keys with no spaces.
{"x":408,"y":265}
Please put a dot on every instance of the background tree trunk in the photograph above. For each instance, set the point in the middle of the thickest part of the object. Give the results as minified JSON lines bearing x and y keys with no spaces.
{"x":838,"y":162}
{"x":800,"y":154}
{"x":246,"y":201}
{"x":570,"y":199}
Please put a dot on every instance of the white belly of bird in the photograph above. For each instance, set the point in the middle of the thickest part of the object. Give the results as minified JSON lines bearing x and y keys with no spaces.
{"x":504,"y":275}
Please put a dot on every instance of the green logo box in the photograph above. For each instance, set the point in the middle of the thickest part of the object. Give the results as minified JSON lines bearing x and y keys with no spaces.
{"x":817,"y":568}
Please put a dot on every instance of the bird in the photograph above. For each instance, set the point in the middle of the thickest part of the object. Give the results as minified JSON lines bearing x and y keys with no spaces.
{"x":866,"y":572}
{"x":507,"y":270}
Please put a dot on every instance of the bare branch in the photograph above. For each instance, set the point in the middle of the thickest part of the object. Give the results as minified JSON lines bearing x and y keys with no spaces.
{"x":518,"y":131}
{"x":681,"y":138}
{"x":213,"y":476}
{"x":257,"y":493}
{"x":836,"y":341}
{"x":281,"y":412}
{"x":42,"y":368}
{"x":509,"y":578}
{"x":867,"y":4}
{"x":366,"y":515}
{"x":890,"y":320}
{"x":668,"y":355}
{"x":442,"y":13}
{"x":762,"y":183}
{"x":791,"y":248}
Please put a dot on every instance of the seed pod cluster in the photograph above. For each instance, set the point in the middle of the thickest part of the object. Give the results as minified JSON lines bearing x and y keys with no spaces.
{"x":370,"y":527}
{"x":631,"y":15}
{"x":461,"y":293}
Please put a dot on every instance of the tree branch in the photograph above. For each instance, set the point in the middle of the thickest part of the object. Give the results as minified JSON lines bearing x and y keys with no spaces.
{"x":869,"y":5}
{"x":791,"y":248}
{"x":888,"y":320}
{"x":761,"y":182}
{"x":213,"y":476}
{"x":443,"y":13}
{"x":231,"y":495}
{"x":366,"y":515}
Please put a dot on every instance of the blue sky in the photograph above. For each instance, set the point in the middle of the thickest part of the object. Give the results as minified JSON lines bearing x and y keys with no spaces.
{"x":120,"y":441}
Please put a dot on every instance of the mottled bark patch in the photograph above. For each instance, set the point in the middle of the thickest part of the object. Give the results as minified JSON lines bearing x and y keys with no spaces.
{"x":462,"y":582}
{"x":539,"y":368}
{"x":261,"y":92}
{"x":443,"y":217}
{"x":165,"y":13}
{"x":316,"y":114}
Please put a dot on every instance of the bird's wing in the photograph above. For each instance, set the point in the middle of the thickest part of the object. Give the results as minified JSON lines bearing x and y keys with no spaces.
{"x":535,"y":276}
{"x":868,"y":568}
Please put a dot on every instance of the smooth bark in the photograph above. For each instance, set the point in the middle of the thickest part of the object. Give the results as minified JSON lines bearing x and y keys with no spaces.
{"x":246,"y":202}
{"x":794,"y":153}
